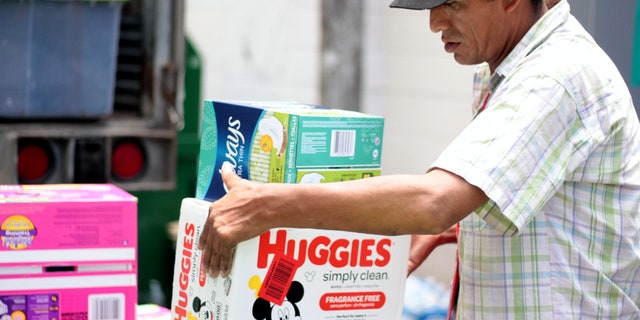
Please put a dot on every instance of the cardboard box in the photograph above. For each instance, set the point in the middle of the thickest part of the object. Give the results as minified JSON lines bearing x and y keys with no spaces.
{"x":67,"y":252}
{"x":272,"y":141}
{"x":295,"y":273}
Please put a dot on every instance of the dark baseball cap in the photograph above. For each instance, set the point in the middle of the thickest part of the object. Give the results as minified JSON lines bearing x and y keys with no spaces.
{"x":417,"y":4}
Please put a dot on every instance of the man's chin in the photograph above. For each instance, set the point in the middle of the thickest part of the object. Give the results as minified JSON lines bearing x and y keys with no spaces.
{"x":464,"y":60}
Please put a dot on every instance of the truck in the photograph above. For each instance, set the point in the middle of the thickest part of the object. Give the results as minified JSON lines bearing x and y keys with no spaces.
{"x":145,"y":139}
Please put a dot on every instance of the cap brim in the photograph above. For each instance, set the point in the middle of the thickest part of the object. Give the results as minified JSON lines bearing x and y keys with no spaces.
{"x":416,"y":4}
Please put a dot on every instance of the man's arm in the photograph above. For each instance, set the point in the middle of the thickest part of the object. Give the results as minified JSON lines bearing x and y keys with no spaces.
{"x":389,"y":205}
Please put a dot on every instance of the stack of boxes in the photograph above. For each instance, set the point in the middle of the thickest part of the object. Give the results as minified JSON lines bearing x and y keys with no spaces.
{"x":67,"y":252}
{"x":293,"y":273}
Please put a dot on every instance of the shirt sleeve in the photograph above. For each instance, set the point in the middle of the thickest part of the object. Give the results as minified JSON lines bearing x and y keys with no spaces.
{"x":518,"y":150}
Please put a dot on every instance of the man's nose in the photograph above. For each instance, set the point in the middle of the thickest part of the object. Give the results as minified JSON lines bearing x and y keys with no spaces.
{"x":438,"y":19}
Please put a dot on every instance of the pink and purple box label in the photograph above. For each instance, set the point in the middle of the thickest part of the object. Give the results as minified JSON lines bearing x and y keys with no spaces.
{"x":67,"y":252}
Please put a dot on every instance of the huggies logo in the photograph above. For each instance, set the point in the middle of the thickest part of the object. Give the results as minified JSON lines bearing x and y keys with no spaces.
{"x":323,"y":250}
{"x":180,"y":309}
{"x":235,"y":145}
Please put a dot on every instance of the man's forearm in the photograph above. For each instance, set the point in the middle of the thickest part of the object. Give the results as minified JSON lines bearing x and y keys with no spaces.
{"x":429,"y":204}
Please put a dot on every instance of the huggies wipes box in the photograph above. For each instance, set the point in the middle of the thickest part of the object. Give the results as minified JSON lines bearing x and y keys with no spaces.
{"x":291,"y":274}
{"x":274,"y":141}
{"x":67,"y":252}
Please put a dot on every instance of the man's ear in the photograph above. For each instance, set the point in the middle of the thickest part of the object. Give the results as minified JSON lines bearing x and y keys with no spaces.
{"x":511,"y":5}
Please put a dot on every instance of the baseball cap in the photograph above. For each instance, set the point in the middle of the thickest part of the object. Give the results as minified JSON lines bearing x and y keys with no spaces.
{"x":416,"y":4}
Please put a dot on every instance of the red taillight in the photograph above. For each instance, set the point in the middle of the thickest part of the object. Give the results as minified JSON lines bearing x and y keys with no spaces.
{"x":128,"y":159}
{"x":35,"y":161}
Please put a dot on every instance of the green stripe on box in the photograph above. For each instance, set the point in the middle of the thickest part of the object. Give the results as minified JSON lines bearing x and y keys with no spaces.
{"x":635,"y":63}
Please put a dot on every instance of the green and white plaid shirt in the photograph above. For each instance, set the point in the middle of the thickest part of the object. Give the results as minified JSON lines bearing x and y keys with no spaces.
{"x":557,"y":150}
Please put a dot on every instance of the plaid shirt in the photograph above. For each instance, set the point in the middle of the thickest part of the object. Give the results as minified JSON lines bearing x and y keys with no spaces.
{"x":557,"y":150}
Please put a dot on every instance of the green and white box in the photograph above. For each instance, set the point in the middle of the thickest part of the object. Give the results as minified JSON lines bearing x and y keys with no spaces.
{"x":273,"y":141}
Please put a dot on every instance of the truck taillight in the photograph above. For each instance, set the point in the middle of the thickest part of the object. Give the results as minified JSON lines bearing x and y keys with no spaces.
{"x":135,"y":161}
{"x":35,"y":161}
{"x":128,"y":159}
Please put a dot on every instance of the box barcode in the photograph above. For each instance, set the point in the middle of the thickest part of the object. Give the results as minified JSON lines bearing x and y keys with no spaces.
{"x":343,"y":143}
{"x":278,"y":279}
{"x":106,"y":307}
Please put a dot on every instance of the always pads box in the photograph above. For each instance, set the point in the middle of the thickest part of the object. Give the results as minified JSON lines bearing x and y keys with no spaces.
{"x":291,"y":274}
{"x":67,"y":252}
{"x":272,"y":141}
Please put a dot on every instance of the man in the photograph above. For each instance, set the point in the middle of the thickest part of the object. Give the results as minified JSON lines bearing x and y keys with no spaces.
{"x":425,"y":244}
{"x":544,"y":182}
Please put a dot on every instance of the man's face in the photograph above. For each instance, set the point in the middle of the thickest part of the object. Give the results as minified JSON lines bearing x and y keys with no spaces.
{"x":473,"y":30}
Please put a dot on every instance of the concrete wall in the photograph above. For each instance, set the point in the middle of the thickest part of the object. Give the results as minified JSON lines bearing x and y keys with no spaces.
{"x":270,"y":50}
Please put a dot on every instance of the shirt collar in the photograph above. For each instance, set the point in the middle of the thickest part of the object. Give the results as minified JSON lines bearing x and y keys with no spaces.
{"x":536,"y":36}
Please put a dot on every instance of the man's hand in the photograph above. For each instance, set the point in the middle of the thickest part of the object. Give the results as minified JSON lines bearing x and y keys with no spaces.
{"x":232,"y":219}
{"x":423,"y":245}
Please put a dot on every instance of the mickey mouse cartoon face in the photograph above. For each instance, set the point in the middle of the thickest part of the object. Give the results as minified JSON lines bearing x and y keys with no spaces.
{"x":264,"y":310}
{"x":203,"y":309}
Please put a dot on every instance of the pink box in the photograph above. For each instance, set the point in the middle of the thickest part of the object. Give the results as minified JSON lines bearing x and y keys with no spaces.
{"x":68,"y":252}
